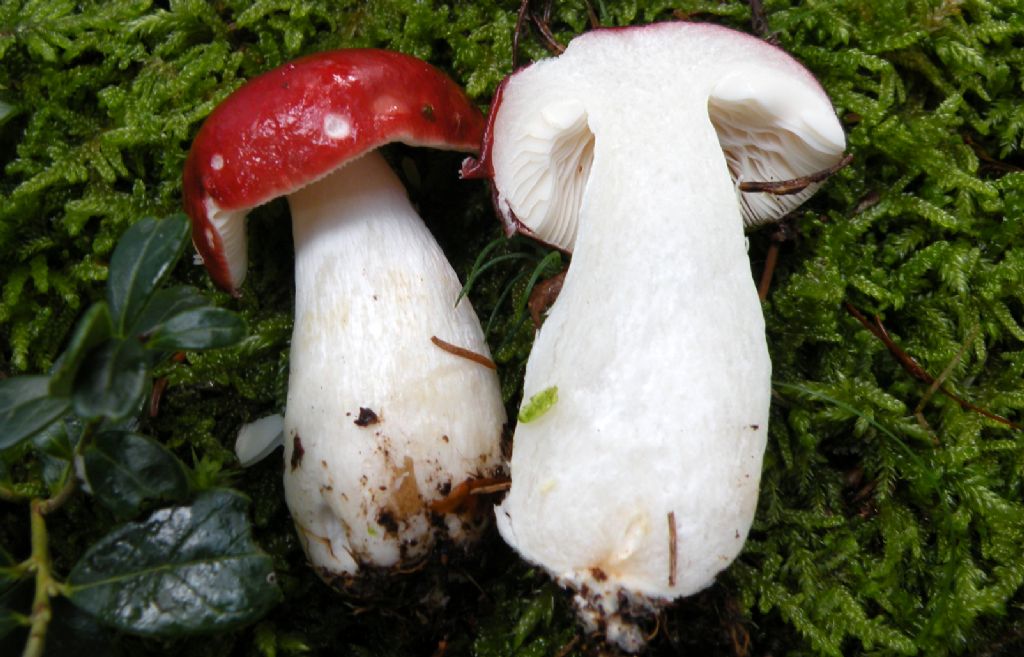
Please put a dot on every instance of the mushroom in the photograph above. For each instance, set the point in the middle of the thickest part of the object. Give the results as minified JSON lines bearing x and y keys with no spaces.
{"x":380,"y":422}
{"x":640,"y":483}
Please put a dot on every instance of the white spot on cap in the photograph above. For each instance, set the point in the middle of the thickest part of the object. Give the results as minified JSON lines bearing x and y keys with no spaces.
{"x":209,"y":237}
{"x":337,"y":126}
{"x":217,"y":162}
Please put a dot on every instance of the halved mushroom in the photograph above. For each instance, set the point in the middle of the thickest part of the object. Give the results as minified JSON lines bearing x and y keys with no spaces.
{"x":640,"y":484}
{"x":380,"y":422}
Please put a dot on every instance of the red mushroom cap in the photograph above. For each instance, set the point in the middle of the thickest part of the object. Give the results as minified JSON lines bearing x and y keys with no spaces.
{"x":295,"y":124}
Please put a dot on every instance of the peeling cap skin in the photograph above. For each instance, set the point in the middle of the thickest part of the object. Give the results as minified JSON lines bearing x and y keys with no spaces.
{"x":380,"y":422}
{"x":640,"y":484}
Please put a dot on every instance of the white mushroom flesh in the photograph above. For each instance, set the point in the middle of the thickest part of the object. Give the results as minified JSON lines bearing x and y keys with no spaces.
{"x":640,"y":484}
{"x":380,"y":421}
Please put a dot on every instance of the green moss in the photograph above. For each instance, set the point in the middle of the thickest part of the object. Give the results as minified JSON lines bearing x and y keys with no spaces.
{"x":891,"y":519}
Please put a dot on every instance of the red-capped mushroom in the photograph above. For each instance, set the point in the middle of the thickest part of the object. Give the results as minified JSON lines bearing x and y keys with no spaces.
{"x":379,"y":421}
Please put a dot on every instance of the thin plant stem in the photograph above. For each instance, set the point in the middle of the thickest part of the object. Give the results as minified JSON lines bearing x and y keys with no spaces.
{"x":42,"y":612}
{"x":46,"y":585}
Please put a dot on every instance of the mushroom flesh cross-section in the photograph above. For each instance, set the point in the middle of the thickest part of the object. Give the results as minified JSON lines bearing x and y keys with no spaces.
{"x":640,"y":484}
{"x":379,"y":421}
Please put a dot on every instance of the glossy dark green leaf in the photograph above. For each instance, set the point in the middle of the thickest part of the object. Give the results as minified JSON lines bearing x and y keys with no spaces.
{"x":55,"y":452}
{"x":94,"y":327}
{"x":125,"y":470}
{"x":143,"y":257}
{"x":165,"y":304}
{"x":111,"y":380}
{"x":200,"y":328}
{"x":27,"y":407}
{"x":184,"y":570}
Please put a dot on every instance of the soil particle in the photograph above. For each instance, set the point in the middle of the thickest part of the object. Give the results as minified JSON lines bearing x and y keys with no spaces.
{"x":366,"y":418}
{"x":386,"y":519}
{"x":297,"y":452}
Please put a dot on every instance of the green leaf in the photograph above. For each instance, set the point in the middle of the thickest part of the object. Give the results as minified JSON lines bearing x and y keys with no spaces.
{"x":165,"y":304}
{"x":541,"y":609}
{"x":111,"y":380}
{"x":55,"y":453}
{"x":538,"y":404}
{"x":9,"y":621}
{"x":199,"y":328}
{"x":185,"y":570}
{"x":94,"y":327}
{"x":27,"y":407}
{"x":125,"y":470}
{"x":142,"y":259}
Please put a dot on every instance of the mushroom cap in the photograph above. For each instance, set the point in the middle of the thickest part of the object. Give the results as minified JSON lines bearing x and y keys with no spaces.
{"x":295,"y":124}
{"x":773,"y":120}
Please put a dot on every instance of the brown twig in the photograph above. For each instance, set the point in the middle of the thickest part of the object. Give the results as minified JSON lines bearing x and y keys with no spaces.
{"x":796,"y":185}
{"x":462,"y":494}
{"x":156,"y":395}
{"x":547,"y":38}
{"x":917,"y":371}
{"x":985,"y":157}
{"x":759,"y":19}
{"x":770,"y":260}
{"x":524,"y":7}
{"x":783,"y":233}
{"x":493,"y":488}
{"x":673,"y":559}
{"x":937,"y":383}
{"x":541,"y":23}
{"x":461,"y":352}
{"x":595,"y":22}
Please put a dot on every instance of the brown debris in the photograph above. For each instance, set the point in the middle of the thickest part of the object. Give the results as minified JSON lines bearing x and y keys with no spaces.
{"x":796,"y":185}
{"x":464,"y":353}
{"x":366,"y":418}
{"x":784,"y":232}
{"x":918,"y":372}
{"x":297,"y":452}
{"x":544,"y":295}
{"x":673,"y":557}
{"x":406,"y":498}
{"x":464,"y":496}
{"x":154,"y":398}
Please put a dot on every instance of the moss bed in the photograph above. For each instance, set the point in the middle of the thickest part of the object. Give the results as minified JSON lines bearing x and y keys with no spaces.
{"x":890,"y":521}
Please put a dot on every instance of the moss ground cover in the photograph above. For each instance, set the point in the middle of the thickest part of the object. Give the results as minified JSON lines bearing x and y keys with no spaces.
{"x":891,"y":520}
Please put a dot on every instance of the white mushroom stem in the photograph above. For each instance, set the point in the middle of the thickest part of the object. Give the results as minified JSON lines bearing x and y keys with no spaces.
{"x":372,"y":288}
{"x":657,"y":346}
{"x":640,"y":484}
